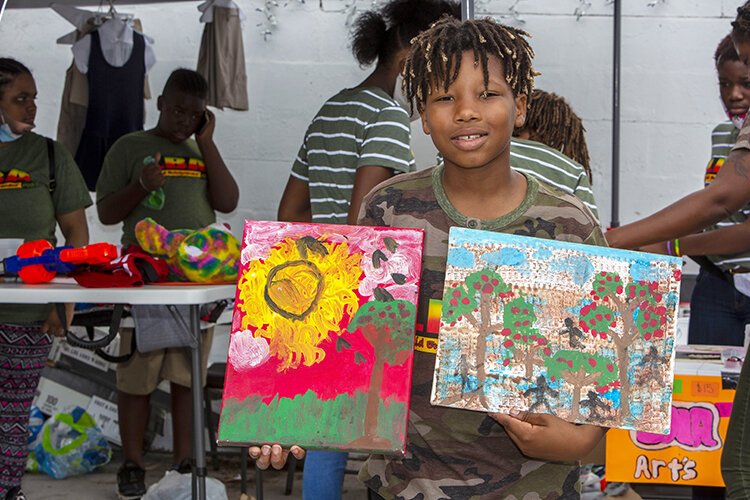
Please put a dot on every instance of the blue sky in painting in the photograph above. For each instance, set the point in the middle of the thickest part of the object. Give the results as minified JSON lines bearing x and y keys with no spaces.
{"x":641,"y":268}
{"x":460,"y":235}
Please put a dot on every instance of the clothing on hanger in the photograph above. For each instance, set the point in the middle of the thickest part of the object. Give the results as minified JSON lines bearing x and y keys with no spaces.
{"x":115,"y":105}
{"x":221,"y":59}
{"x":207,"y":8}
{"x":116,"y":41}
{"x":75,"y":97}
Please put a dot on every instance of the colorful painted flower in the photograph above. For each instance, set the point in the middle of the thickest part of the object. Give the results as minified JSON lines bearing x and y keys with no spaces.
{"x":296,"y":298}
{"x":247,"y":351}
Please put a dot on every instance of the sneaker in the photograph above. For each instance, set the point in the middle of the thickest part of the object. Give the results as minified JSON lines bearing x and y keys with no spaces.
{"x":15,"y":494}
{"x":131,"y":481}
{"x":185,"y":467}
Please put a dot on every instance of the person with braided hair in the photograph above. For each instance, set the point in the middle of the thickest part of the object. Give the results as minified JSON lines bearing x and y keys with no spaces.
{"x":729,"y":192}
{"x":718,"y":311}
{"x":42,"y":189}
{"x":359,"y":137}
{"x":470,"y":81}
{"x":551,"y":121}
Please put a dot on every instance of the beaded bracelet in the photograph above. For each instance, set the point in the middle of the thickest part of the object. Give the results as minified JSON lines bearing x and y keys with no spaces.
{"x":669,"y":248}
{"x":677,"y":247}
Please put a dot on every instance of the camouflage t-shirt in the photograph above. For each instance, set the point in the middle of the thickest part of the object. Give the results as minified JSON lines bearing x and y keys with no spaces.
{"x":454,"y":453}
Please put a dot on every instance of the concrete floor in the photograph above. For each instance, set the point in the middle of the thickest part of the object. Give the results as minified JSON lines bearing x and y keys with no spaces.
{"x":100,"y":485}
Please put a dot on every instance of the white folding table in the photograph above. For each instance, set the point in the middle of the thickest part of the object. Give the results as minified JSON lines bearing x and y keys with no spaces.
{"x":192,"y":295}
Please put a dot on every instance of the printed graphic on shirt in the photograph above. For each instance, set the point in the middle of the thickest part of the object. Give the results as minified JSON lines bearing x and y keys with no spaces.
{"x":426,"y":336}
{"x":15,"y":179}
{"x":712,"y":170}
{"x":182,"y":166}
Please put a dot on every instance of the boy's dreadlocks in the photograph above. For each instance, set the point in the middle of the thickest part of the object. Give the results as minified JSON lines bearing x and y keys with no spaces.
{"x":741,"y":24}
{"x":551,"y":121}
{"x":435,"y":56}
{"x":725,"y":51}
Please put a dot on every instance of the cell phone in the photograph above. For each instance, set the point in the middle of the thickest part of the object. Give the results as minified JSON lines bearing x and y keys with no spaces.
{"x":204,"y":121}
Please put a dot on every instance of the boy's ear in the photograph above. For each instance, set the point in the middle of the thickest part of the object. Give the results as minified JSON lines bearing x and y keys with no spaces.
{"x":425,"y":125}
{"x":159,"y":102}
{"x":520,"y":111}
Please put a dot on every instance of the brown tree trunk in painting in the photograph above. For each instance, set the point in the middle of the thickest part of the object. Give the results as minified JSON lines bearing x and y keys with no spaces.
{"x":578,"y":380}
{"x":622,"y":366}
{"x":574,"y":379}
{"x":376,"y":381}
{"x":529,"y":359}
{"x":481,"y":352}
{"x":622,"y":344}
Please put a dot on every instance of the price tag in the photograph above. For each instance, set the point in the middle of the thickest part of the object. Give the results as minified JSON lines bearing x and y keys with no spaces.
{"x":708,"y":389}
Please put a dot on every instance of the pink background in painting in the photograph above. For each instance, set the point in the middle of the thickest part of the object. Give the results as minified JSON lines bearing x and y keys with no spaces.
{"x":337,"y":373}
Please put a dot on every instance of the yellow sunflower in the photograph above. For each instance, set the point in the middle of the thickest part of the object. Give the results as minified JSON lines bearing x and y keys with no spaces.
{"x":297,"y":298}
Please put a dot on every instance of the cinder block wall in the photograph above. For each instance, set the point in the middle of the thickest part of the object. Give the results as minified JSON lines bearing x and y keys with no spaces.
{"x":669,"y":92}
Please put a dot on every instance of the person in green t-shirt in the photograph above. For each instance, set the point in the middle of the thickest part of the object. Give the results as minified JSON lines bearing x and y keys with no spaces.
{"x":470,"y":81}
{"x":30,"y":209}
{"x":179,"y":182}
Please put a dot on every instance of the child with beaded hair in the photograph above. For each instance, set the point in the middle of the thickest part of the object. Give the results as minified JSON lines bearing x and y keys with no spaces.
{"x":360,"y":137}
{"x":470,"y":81}
{"x":551,"y":121}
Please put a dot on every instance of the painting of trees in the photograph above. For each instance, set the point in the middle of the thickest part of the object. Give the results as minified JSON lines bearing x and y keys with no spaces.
{"x":523,"y":341}
{"x":474,"y":299}
{"x":623,"y":312}
{"x":545,"y":325}
{"x":580,"y":369}
{"x":388,"y":326}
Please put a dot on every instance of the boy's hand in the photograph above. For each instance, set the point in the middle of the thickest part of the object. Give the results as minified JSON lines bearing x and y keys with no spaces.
{"x":206,"y":131}
{"x":151,"y":176}
{"x":274,"y":455}
{"x":53,"y":325}
{"x":548,"y":437}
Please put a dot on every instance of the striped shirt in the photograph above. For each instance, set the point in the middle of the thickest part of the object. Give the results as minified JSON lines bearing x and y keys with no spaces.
{"x":553,"y":167}
{"x":355,"y":128}
{"x":723,"y":139}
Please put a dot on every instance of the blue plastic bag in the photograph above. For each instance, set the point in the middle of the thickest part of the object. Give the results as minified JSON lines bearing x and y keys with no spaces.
{"x":36,"y":421}
{"x":71,"y":444}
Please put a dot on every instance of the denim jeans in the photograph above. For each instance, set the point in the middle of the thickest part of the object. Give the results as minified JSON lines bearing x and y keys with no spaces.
{"x":718,"y":312}
{"x":323,"y":475}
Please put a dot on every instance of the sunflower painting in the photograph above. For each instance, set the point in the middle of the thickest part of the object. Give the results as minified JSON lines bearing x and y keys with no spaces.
{"x":321,"y":347}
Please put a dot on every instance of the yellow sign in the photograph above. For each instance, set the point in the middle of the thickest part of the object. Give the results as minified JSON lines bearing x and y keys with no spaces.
{"x":691,"y":453}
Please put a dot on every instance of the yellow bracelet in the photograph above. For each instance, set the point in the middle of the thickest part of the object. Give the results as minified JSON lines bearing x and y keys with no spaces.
{"x":677,"y":247}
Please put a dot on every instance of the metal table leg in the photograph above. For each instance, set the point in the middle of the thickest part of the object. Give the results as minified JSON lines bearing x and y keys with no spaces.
{"x":199,"y":445}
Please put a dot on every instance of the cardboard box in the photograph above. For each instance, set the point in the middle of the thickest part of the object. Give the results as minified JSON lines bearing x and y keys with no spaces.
{"x":104,"y":414}
{"x":52,"y":397}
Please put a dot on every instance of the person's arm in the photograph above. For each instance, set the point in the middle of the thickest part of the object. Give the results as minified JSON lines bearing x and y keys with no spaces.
{"x":724,"y":241}
{"x":76,"y":232}
{"x":223,"y":193}
{"x":295,"y":202}
{"x":547,"y":437}
{"x":113,"y":208}
{"x":724,"y":196}
{"x":367,"y":178}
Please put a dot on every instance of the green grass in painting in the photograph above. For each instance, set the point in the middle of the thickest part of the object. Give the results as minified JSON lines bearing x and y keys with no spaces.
{"x":306,"y":420}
